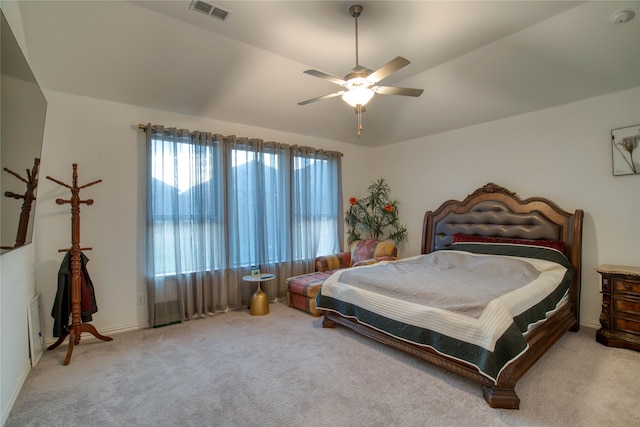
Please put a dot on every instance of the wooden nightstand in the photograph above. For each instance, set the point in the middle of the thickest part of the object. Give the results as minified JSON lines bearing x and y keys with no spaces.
{"x":620,"y":316}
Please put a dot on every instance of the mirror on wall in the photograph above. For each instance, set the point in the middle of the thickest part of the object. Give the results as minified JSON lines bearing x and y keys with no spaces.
{"x":22,"y":115}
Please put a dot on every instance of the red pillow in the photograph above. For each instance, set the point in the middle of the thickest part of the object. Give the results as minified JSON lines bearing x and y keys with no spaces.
{"x":553,"y":244}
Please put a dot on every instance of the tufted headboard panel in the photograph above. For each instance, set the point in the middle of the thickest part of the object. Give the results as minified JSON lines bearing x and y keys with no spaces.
{"x":493,"y":218}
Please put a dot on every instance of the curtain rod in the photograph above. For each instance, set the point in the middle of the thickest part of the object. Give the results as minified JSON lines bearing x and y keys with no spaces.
{"x":144,"y":127}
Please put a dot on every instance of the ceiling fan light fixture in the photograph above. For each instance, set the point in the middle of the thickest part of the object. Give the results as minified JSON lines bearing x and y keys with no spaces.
{"x":358,"y":96}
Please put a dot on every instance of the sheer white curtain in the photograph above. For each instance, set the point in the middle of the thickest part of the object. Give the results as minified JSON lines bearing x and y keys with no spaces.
{"x":218,"y":205}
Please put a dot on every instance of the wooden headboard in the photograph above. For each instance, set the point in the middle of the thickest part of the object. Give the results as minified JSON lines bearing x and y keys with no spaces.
{"x":494,"y":211}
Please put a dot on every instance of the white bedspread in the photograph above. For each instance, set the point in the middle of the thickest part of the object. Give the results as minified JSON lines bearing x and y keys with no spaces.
{"x":470,"y":297}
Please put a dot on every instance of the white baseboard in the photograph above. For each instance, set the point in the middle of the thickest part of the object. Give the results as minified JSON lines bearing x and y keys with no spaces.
{"x":590,"y":324}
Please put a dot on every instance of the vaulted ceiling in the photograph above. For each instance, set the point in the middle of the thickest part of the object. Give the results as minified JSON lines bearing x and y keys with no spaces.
{"x":477,"y":61}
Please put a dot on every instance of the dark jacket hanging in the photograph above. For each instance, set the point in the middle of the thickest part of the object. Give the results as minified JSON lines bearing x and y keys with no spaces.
{"x":62,"y":305}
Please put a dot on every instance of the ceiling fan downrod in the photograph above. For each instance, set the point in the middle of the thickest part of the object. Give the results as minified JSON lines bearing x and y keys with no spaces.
{"x":355,"y":11}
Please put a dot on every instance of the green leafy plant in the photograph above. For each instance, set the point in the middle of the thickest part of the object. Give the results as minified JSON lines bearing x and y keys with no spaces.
{"x":375,"y":216}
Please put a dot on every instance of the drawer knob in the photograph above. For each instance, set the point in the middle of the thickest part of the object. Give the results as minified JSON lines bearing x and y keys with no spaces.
{"x":627,"y":287}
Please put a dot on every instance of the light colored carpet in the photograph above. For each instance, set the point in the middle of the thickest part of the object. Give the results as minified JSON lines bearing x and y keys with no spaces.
{"x":283,"y":369}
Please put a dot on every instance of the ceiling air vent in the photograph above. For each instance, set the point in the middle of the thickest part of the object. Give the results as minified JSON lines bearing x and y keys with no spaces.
{"x":209,"y":9}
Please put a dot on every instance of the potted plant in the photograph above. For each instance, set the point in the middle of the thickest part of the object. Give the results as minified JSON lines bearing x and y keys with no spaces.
{"x":375,"y":216}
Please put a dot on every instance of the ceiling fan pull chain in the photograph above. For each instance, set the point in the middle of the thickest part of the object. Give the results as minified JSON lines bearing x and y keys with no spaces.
{"x":359,"y":108}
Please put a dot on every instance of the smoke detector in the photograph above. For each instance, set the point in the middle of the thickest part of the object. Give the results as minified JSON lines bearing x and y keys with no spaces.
{"x":622,"y":16}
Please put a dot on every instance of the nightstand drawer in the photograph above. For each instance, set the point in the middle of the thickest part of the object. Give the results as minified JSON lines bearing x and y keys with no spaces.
{"x":626,"y":325}
{"x":626,"y":286}
{"x":627,"y":305}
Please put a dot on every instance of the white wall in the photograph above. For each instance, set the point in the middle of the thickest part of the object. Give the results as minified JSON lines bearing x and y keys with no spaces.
{"x":561,"y":153}
{"x":103,"y":139}
{"x":17,"y":288}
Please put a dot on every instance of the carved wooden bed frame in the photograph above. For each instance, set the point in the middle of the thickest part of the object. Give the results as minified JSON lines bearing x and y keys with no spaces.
{"x":497,"y":212}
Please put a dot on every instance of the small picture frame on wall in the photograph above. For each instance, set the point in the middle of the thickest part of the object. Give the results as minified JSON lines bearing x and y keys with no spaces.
{"x":624,"y":150}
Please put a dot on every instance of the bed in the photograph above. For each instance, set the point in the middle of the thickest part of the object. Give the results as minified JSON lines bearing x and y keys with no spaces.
{"x":529,"y":249}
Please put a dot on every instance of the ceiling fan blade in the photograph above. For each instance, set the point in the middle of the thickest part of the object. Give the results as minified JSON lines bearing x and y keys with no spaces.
{"x":387,"y":69}
{"x":331,"y":95}
{"x":332,"y":79}
{"x":390,"y":90}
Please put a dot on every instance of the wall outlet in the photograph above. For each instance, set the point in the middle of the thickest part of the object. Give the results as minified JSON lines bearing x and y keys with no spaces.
{"x":141,"y":299}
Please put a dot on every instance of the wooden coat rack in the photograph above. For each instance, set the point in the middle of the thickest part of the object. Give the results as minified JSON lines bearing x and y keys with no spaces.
{"x":28,"y":197}
{"x":77,"y":327}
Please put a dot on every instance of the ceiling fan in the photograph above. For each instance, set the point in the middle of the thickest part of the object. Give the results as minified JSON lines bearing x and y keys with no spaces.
{"x":361,"y":83}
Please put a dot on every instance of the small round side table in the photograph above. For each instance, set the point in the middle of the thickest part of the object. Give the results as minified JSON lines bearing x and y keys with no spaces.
{"x":259,"y":301}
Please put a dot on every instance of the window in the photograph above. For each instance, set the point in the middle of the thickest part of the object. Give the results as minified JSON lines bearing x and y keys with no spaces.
{"x":219,"y":203}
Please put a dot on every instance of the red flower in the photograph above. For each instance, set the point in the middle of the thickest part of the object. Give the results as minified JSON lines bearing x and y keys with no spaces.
{"x":388,"y":208}
{"x":353,"y":201}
